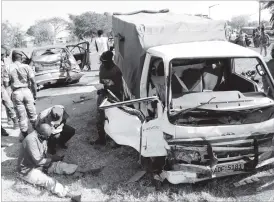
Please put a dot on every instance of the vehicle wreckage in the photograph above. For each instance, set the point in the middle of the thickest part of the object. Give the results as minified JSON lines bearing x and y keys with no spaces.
{"x":51,"y":63}
{"x":191,"y":111}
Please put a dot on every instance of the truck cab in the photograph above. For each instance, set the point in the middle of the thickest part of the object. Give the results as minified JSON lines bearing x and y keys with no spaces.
{"x":205,"y":110}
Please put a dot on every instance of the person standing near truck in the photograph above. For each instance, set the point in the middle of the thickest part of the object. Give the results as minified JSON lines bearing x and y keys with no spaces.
{"x":264,"y":42}
{"x":111,"y":77}
{"x":101,"y":43}
{"x":21,"y":76}
{"x":270,"y":65}
{"x":241,"y":39}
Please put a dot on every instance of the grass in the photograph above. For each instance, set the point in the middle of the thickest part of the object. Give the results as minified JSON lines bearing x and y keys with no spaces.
{"x":120,"y":165}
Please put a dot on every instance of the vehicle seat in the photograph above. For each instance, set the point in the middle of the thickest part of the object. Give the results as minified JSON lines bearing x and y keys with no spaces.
{"x":192,"y":78}
{"x":158,"y":79}
{"x":212,"y":77}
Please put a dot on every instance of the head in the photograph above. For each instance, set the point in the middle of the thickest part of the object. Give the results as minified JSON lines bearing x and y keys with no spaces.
{"x":44,"y":131}
{"x":4,"y":52}
{"x":2,"y":56}
{"x":56,"y":115}
{"x":106,"y":58}
{"x":100,"y":33}
{"x":158,"y":67}
{"x":17,"y":56}
{"x":93,"y":34}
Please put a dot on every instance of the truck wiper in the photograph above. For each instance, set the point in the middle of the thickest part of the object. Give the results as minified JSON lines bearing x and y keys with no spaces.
{"x":184,"y":111}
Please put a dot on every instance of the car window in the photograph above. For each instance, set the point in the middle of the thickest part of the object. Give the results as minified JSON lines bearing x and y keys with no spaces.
{"x":247,"y":68}
{"x":79,"y":49}
{"x":248,"y":31}
{"x":44,"y":51}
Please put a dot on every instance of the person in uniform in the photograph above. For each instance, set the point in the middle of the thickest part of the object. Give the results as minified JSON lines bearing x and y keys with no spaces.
{"x":56,"y":117}
{"x":34,"y":165}
{"x":5,"y":96}
{"x":21,"y":77}
{"x":6,"y":100}
{"x":111,"y":77}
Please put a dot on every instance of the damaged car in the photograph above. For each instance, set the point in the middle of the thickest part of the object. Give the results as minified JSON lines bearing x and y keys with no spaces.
{"x":58,"y":64}
{"x":197,"y":107}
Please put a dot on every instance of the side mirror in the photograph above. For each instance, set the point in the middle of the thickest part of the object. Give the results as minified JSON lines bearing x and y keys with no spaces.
{"x":259,"y":69}
{"x":79,"y":62}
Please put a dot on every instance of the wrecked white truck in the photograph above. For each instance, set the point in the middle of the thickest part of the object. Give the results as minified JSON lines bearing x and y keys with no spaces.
{"x":200,"y":107}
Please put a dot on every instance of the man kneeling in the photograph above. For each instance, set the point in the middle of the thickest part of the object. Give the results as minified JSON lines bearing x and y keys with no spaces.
{"x":34,"y":165}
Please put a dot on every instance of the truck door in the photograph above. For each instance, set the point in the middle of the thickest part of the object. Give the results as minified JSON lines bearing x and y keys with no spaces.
{"x":128,"y":126}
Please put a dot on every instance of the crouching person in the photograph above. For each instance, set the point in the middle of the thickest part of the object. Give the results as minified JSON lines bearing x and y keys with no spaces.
{"x":56,"y":117}
{"x":34,"y":165}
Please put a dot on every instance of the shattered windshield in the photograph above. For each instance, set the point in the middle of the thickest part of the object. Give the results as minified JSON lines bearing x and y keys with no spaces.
{"x":228,"y":80}
{"x":48,"y":51}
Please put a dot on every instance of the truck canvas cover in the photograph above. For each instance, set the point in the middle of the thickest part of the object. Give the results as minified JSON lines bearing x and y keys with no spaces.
{"x":134,"y":34}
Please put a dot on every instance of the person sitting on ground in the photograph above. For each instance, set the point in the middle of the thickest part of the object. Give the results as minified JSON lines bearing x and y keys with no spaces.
{"x":34,"y":164}
{"x":56,"y":117}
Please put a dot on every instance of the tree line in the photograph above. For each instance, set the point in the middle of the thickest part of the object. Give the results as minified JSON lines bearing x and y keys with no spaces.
{"x":81,"y":26}
{"x":45,"y":31}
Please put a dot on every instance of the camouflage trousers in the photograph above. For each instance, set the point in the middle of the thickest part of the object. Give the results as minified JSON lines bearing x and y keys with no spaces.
{"x":24,"y":106}
{"x":39,"y":178}
{"x":6,"y":101}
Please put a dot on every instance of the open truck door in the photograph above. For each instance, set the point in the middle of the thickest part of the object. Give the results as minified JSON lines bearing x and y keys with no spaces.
{"x":80,"y":52}
{"x":128,"y":126}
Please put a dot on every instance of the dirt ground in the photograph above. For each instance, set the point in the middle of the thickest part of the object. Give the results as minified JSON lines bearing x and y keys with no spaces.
{"x":120,"y":163}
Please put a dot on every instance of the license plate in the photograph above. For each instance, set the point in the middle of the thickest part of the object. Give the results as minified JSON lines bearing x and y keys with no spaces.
{"x":229,"y":168}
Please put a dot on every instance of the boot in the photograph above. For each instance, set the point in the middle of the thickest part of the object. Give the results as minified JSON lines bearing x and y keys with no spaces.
{"x":15,"y":123}
{"x":4,"y":132}
{"x":74,"y":198}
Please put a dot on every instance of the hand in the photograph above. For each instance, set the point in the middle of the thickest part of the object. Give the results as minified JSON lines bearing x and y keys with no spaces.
{"x":56,"y":158}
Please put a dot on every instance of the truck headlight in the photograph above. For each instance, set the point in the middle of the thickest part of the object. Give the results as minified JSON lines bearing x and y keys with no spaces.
{"x":188,"y":156}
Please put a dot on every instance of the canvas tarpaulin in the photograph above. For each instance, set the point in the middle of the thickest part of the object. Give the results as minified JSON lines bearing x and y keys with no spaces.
{"x":134,"y":34}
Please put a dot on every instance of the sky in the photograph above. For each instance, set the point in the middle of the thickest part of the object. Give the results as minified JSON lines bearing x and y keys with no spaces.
{"x":26,"y":13}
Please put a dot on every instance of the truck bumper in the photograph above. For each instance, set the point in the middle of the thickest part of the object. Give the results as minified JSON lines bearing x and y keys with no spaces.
{"x":187,"y":173}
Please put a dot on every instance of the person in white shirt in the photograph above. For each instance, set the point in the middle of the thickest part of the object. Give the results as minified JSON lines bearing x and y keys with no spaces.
{"x":101,"y":43}
{"x":233,"y":36}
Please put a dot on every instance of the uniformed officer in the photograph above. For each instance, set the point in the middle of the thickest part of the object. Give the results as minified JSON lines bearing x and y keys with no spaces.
{"x":111,"y":77}
{"x":24,"y":90}
{"x":6,"y":101}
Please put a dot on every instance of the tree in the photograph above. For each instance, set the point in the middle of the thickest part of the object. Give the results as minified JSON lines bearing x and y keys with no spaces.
{"x":239,"y":21}
{"x":12,"y":35}
{"x":270,"y":5}
{"x":83,"y":25}
{"x":42,"y":32}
